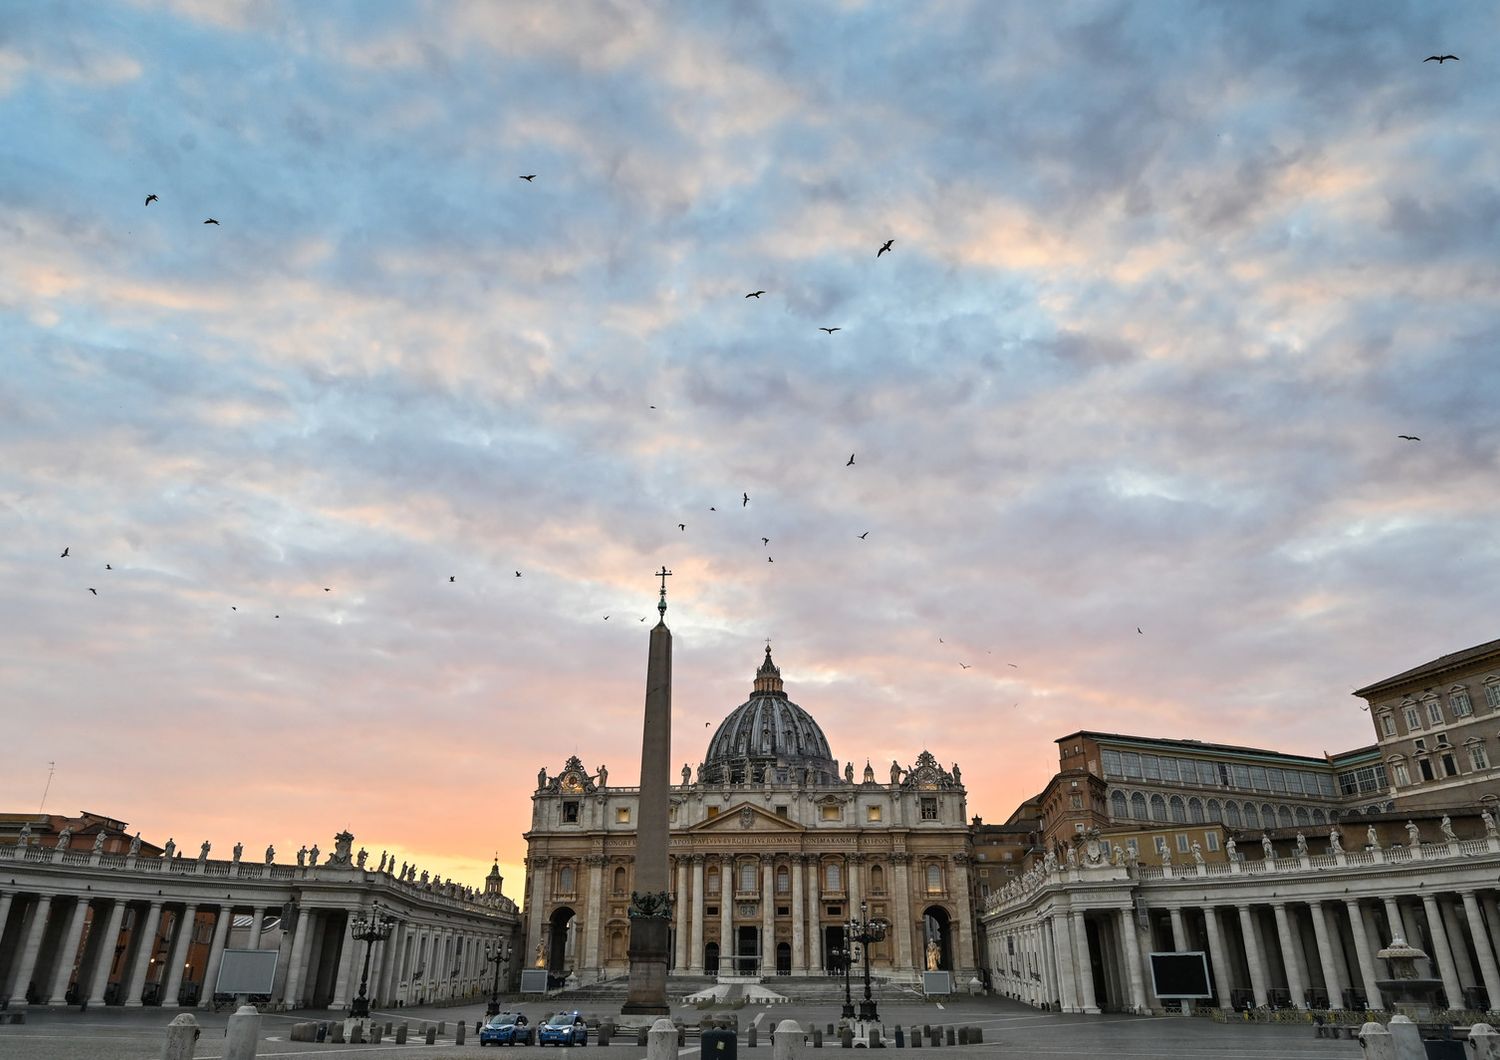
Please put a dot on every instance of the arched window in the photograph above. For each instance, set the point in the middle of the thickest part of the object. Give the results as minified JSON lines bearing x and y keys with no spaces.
{"x":1303,"y":817}
{"x":1268,"y":815}
{"x":877,"y":879}
{"x":1158,"y":808}
{"x":1319,"y":818}
{"x":783,"y":880}
{"x":1195,"y":811}
{"x":620,"y":879}
{"x":1232,"y":815}
{"x":1215,"y":814}
{"x":565,"y":880}
{"x":1252,"y":816}
{"x":934,"y":878}
{"x":748,"y":873}
{"x":1284,"y":817}
{"x":1138,"y":806}
{"x":1117,"y":806}
{"x":833,"y":876}
{"x":712,"y":880}
{"x":1179,"y":811}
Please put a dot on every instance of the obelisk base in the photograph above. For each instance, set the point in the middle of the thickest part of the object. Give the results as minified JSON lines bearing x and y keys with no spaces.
{"x":647,"y":995}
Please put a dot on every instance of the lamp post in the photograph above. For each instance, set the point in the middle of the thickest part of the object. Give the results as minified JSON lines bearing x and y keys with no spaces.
{"x":865,"y":931}
{"x":843,"y":958}
{"x":497,"y":953}
{"x":369,"y":928}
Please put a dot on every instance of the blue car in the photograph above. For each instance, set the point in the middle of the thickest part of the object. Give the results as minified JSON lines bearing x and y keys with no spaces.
{"x":507,"y":1028}
{"x":565,"y":1028}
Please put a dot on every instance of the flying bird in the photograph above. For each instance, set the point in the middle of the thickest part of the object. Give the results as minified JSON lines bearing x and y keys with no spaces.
{"x":65,"y":553}
{"x":450,"y":577}
{"x":712,"y":508}
{"x":108,"y":567}
{"x":210,"y":221}
{"x":150,"y":199}
{"x":884,"y":248}
{"x":744,"y":500}
{"x":643,"y":618}
{"x":864,"y":535}
{"x":830,"y":330}
{"x":606,"y":618}
{"x":755,"y":294}
{"x":233,"y":608}
{"x":94,"y":591}
{"x":1409,"y":437}
{"x":765,"y":541}
{"x":518,"y":574}
{"x":1138,"y":630}
{"x":770,"y":560}
{"x":965,"y":666}
{"x":327,"y":590}
{"x":851,"y":461}
{"x":682,"y":526}
{"x":529,"y":177}
{"x":1441,"y":59}
{"x":1013,"y":666}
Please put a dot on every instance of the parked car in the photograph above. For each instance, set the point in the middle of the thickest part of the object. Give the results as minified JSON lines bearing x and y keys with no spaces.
{"x":506,"y":1028}
{"x":565,"y":1028}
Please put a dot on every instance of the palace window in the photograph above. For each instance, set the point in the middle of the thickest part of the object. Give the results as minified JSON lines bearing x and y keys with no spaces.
{"x":929,"y":808}
{"x":1211,"y":840}
{"x":1183,"y":843}
{"x":1258,"y":778}
{"x":833,"y":877}
{"x":783,"y":880}
{"x":1215,"y":813}
{"x":1459,"y":703}
{"x":565,"y":880}
{"x":1169,"y":771}
{"x":1195,"y":811}
{"x":1252,"y":816}
{"x":1492,"y":692}
{"x":1413,"y":719}
{"x":712,"y":881}
{"x":1118,"y":807}
{"x":1478,"y":759}
{"x":1112,"y":763}
{"x":1277,"y":780}
{"x":747,"y":877}
{"x":1319,"y":817}
{"x":1435,"y":711}
{"x":1303,"y":818}
{"x":1132,"y":765}
{"x":1158,"y":808}
{"x":1284,"y":815}
{"x":1425,"y":768}
{"x":1388,"y":725}
{"x":877,"y":879}
{"x":1138,"y":806}
{"x":1450,"y":766}
{"x":1151,"y":767}
{"x":934,"y":878}
{"x":1240,"y":775}
{"x":1179,"y":811}
{"x":1232,"y":815}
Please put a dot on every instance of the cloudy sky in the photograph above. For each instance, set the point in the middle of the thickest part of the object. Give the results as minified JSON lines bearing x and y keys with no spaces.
{"x":1167,"y":282}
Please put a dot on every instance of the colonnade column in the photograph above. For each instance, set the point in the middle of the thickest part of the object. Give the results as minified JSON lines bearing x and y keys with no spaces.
{"x":67,"y":953}
{"x":1291,"y":956}
{"x":222,"y":923}
{"x":1367,"y":972}
{"x":1046,"y":955}
{"x":1482,"y":948}
{"x":799,"y":917}
{"x":1085,"y":964}
{"x":680,"y":951}
{"x":30,"y":947}
{"x":106,"y":962}
{"x":1326,"y":955}
{"x":1253,"y":957}
{"x":183,"y":934}
{"x":347,"y":946}
{"x":292,"y":992}
{"x":257,"y":925}
{"x":1179,"y":932}
{"x":1451,"y":986}
{"x":726,"y":915}
{"x":1062,"y":945}
{"x":767,"y":916}
{"x":146,"y":942}
{"x":1133,"y":961}
{"x":1223,"y":982}
{"x":696,"y":942}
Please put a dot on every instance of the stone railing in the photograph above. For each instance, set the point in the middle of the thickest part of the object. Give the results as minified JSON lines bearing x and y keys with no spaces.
{"x":1019,"y":891}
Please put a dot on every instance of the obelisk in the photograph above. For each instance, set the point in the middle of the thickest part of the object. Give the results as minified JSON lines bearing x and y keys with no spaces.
{"x":651,"y":901}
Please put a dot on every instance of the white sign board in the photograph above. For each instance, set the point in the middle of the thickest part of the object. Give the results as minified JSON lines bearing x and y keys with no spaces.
{"x":937,"y":983}
{"x":246,"y":972}
{"x":533,"y":980}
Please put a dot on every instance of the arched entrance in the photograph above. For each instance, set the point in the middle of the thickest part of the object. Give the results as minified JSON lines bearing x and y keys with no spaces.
{"x":560,"y":940}
{"x":783,"y":958}
{"x":937,"y":927}
{"x":711,"y":959}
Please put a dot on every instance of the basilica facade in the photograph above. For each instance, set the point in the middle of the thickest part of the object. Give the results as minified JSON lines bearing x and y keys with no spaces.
{"x":773,"y":848}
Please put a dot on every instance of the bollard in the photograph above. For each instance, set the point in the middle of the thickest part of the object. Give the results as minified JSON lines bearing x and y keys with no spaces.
{"x":817,"y":1037}
{"x":750,"y":1037}
{"x":442,"y":1027}
{"x":948,"y":1033}
{"x":606,"y":1031}
{"x":401,"y":1034}
{"x":641,"y":1034}
{"x":336,"y":1033}
{"x":1376,"y":1042}
{"x":374,"y":1034}
{"x":916,"y":1037}
{"x":718,"y":1044}
{"x":459,"y":1029}
{"x":390,"y":1027}
{"x":900,"y":1037}
{"x":431,"y":1038}
{"x":357,"y":1033}
{"x":785,"y":1039}
{"x":182,"y":1038}
{"x":1406,"y":1038}
{"x":662,"y":1041}
{"x":846,"y":1039}
{"x":927,"y":1031}
{"x":830,"y":1030}
{"x":242,"y":1036}
{"x":1485,"y":1042}
{"x":681,"y":1035}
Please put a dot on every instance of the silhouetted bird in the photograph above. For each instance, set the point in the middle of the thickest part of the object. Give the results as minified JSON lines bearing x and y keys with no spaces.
{"x":851,"y":461}
{"x":94,"y":591}
{"x":529,"y":177}
{"x":830,"y":330}
{"x":712,"y":508}
{"x":1138,"y":630}
{"x":108,"y":567}
{"x":770,"y":560}
{"x":885,"y":248}
{"x":606,"y":618}
{"x":755,"y":294}
{"x":210,"y":221}
{"x":765,"y":541}
{"x":1441,"y":59}
{"x":864,"y":535}
{"x":233,"y":608}
{"x":744,"y":500}
{"x":643,"y":618}
{"x":150,"y":199}
{"x":327,"y":590}
{"x":65,"y":553}
{"x":1013,"y":666}
{"x":966,"y":666}
{"x":450,"y":577}
{"x":518,"y":574}
{"x":682,"y":526}
{"x":1409,"y":437}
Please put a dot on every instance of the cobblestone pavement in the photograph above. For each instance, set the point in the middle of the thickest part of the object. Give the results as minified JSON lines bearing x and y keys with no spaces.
{"x":1010,"y":1029}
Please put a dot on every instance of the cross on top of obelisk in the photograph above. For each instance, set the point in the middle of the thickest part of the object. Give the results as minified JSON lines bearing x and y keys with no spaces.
{"x":661,"y":605}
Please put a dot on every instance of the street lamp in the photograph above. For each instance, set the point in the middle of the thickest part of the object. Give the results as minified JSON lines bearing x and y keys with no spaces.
{"x":497,"y":953}
{"x":369,"y":928}
{"x":865,"y":931}
{"x":842,"y":958}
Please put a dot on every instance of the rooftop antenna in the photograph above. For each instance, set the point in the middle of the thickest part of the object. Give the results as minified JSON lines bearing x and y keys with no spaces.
{"x":51,"y":768}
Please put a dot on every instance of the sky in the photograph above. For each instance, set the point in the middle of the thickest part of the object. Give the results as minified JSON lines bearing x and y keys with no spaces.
{"x":1167,"y":282}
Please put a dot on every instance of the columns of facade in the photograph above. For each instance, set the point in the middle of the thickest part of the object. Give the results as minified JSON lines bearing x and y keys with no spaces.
{"x":1085,"y":966}
{"x":965,"y":954}
{"x":905,"y":959}
{"x":536,"y":903}
{"x":1398,"y":927}
{"x":1454,"y":929}
{"x":682,"y":909}
{"x":105,"y":964}
{"x":1253,"y":957}
{"x":1048,"y":968}
{"x":1178,"y":940}
{"x":1327,"y":955}
{"x":799,"y":916}
{"x":1291,"y":956}
{"x":1067,"y":978}
{"x":1367,"y":972}
{"x":257,"y":925}
{"x":66,"y":954}
{"x":852,"y":882}
{"x":390,"y":966}
{"x":296,"y":964}
{"x":1482,"y":948}
{"x":144,"y":946}
{"x":347,"y":946}
{"x":183,"y":934}
{"x":767,"y":916}
{"x":1223,"y":981}
{"x":727,"y":884}
{"x":1133,"y":971}
{"x":1446,"y":968}
{"x":1490,"y":906}
{"x":588,"y":940}
{"x":696,"y":940}
{"x":222,"y":924}
{"x":29,"y":948}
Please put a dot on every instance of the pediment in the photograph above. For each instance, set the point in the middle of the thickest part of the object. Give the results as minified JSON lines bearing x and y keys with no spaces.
{"x":745,"y":817}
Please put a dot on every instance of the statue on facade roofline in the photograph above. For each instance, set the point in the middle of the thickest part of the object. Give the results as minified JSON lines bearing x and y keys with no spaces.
{"x":1446,"y":827}
{"x":603,"y":776}
{"x":1335,"y":841}
{"x":1166,"y":856}
{"x":895,"y":773}
{"x":135,"y":844}
{"x":359,"y":859}
{"x":1197,"y":852}
{"x":302,"y":856}
{"x":687,"y":775}
{"x":99,"y":842}
{"x":1231,"y":848}
{"x":1301,"y":845}
{"x":203,"y":852}
{"x":1371,"y":839}
{"x":239,"y":848}
{"x":1413,"y":834}
{"x":170,"y":849}
{"x":1489,"y":822}
{"x":1266,"y":849}
{"x":24,"y":836}
{"x":541,"y":777}
{"x":64,"y":838}
{"x":270,"y":854}
{"x":312,"y":855}
{"x":848,"y":772}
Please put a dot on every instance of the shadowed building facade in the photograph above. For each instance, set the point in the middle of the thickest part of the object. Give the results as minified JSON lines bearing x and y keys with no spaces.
{"x":771,"y":849}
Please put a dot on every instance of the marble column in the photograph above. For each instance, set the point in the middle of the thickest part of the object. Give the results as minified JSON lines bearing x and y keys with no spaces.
{"x":296,"y":965}
{"x":1482,"y":948}
{"x":1253,"y":956}
{"x":1454,"y":929}
{"x":390,"y":964}
{"x":767,"y":916}
{"x":183,"y":934}
{"x":1133,"y":969}
{"x":222,"y":924}
{"x":1327,"y":955}
{"x":588,"y":930}
{"x":107,"y":945}
{"x":799,"y":917}
{"x":1398,"y":927}
{"x":852,"y":868}
{"x":257,"y":925}
{"x":28,"y":949}
{"x":1085,"y":965}
{"x":1178,"y":941}
{"x":1223,"y":980}
{"x":145,"y":945}
{"x":696,"y":941}
{"x":535,"y":907}
{"x":347,"y":946}
{"x":67,"y":952}
{"x":1050,"y":995}
{"x":1067,"y":975}
{"x":727,"y":884}
{"x":1367,"y":972}
{"x":905,"y":959}
{"x":1291,"y":955}
{"x":683,"y":910}
{"x":1451,"y":986}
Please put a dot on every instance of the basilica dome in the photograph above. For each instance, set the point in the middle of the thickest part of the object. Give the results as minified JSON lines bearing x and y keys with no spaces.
{"x":768,"y":732}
